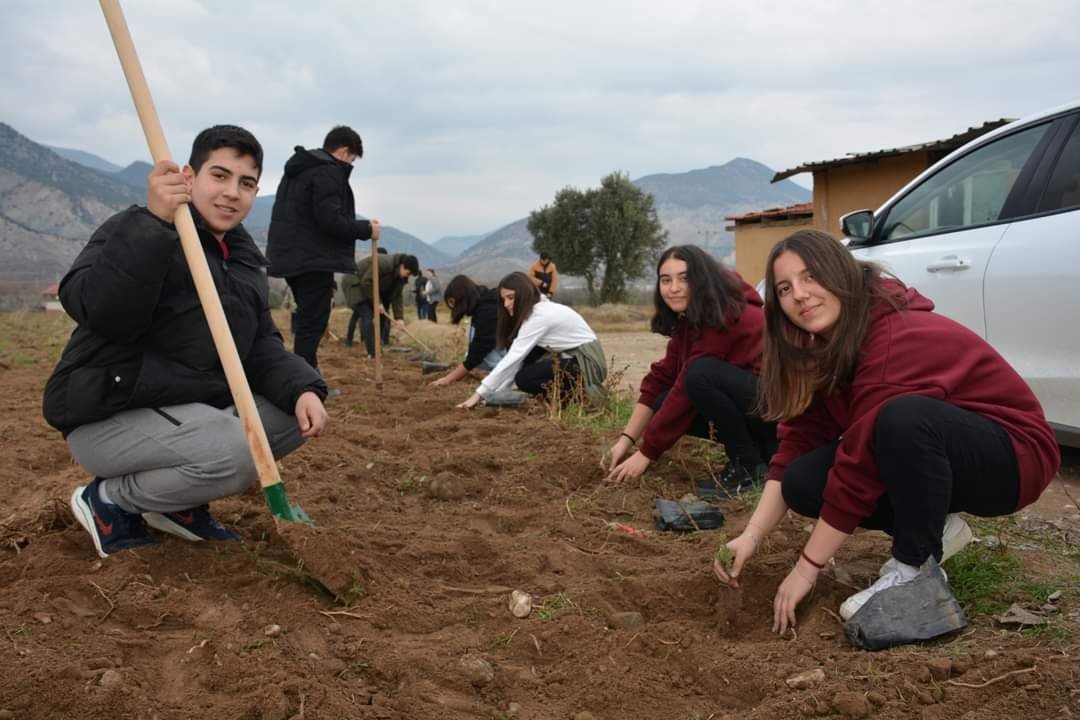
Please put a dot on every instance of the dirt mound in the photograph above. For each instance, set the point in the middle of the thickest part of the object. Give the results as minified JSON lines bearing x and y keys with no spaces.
{"x":427,"y":518}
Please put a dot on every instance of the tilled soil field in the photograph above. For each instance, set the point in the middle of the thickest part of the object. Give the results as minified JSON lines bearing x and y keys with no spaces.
{"x":428,"y":517}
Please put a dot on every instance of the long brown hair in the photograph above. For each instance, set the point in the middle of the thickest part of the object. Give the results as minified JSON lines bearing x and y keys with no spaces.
{"x":796,"y":364}
{"x":526,"y":295}
{"x":462,"y":296}
{"x":716,"y":296}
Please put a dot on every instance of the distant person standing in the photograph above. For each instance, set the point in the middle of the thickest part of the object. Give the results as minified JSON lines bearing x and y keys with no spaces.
{"x":544,"y":275}
{"x":313,"y":232}
{"x":418,"y":292}
{"x":434,"y":294}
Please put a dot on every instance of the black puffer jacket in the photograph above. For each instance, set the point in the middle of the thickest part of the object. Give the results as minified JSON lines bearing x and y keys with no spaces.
{"x":142,"y":338}
{"x":313,"y":226}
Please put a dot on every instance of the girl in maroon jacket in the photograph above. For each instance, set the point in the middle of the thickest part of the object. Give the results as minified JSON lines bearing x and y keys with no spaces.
{"x":892,"y":418}
{"x":706,"y":383}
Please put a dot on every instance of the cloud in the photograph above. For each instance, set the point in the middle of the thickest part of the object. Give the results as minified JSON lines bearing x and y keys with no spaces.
{"x":474,"y":113}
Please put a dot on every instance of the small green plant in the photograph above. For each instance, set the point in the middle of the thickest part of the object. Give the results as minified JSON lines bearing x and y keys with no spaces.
{"x":257,"y":645}
{"x":504,"y":642}
{"x":355,"y":668}
{"x":354,"y":594}
{"x":552,"y":605}
{"x":472,"y":616}
{"x":723,"y":554}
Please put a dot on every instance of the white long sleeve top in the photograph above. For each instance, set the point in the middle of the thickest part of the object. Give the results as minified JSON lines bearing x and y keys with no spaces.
{"x":551,"y":325}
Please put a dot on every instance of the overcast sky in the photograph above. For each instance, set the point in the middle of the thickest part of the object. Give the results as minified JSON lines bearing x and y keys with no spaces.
{"x":475,"y":113}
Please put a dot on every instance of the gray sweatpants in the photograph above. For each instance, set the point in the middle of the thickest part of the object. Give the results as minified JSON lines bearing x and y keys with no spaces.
{"x":178,"y":457}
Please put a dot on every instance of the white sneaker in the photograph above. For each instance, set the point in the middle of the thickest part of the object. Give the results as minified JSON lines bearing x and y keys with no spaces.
{"x":893,"y":573}
{"x":955,"y":537}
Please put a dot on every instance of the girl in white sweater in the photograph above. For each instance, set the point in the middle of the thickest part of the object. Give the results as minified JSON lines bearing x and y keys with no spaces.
{"x":535,"y":329}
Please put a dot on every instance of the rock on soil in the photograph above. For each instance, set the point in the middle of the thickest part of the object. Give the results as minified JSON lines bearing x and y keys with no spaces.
{"x":520,"y":604}
{"x":476,"y":670}
{"x":628,"y":621}
{"x":940,"y":668}
{"x":110,"y":678}
{"x":447,"y":486}
{"x":806,"y":679}
{"x":851,"y":704}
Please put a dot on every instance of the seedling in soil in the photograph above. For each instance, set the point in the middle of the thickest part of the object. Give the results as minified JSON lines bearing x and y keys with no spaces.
{"x":355,"y":593}
{"x":724,"y":554}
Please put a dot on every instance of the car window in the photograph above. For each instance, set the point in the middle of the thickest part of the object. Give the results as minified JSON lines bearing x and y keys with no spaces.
{"x":1063,"y":191}
{"x":970,"y":191}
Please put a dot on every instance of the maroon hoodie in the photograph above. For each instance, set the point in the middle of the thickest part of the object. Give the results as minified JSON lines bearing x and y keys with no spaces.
{"x":915,"y":352}
{"x":740,"y":344}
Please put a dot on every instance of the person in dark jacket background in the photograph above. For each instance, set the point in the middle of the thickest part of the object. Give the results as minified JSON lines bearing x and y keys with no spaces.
{"x":139,"y":392}
{"x":314,"y":229}
{"x":418,"y":291}
{"x":466,"y":299}
{"x":706,"y":383}
{"x":892,"y":417}
{"x":394,"y":273}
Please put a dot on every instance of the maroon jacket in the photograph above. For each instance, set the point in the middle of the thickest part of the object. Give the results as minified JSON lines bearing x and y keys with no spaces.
{"x":739,"y":344}
{"x":915,"y":352}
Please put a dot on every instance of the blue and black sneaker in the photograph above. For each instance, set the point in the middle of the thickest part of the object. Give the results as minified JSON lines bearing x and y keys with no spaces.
{"x":195,"y":524}
{"x":111,"y":528}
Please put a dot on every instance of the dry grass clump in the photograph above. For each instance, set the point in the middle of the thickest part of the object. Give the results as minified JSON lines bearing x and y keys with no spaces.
{"x":617,"y":317}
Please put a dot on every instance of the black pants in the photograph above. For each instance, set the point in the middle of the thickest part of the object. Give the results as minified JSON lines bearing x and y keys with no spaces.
{"x":538,"y":371}
{"x":431,"y":312}
{"x":365,"y":312}
{"x":724,"y":397}
{"x":934,"y":459}
{"x":312,"y":293}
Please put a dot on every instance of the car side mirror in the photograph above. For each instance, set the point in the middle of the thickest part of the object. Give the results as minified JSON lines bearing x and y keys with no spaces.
{"x":857,"y":225}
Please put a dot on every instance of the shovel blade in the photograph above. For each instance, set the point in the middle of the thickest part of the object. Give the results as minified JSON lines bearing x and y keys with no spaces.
{"x":280,"y":507}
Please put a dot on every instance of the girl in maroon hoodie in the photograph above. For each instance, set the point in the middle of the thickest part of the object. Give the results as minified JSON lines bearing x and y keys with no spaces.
{"x":892,"y":417}
{"x":706,"y":383}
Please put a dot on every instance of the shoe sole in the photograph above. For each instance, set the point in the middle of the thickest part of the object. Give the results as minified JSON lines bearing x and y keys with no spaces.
{"x":164,"y":524}
{"x":85,"y":516}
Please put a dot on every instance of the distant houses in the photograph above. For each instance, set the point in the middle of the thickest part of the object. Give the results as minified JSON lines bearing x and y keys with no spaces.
{"x":841,"y":185}
{"x":50,"y":298}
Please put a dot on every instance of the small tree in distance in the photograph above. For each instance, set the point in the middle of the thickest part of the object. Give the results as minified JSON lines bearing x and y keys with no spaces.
{"x":609,"y":235}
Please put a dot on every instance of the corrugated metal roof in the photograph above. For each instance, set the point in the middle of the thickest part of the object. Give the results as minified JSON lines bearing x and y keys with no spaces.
{"x":948,"y":144}
{"x":800,"y":210}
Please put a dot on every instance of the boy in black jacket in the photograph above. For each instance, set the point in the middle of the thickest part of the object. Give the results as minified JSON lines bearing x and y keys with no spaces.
{"x":313,"y":231}
{"x":139,"y":392}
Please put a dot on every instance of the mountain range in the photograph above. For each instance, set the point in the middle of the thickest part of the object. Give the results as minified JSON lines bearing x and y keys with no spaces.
{"x":52,"y":199}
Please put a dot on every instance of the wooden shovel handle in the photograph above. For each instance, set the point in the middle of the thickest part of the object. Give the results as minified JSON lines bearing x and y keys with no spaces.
{"x":376,"y":311}
{"x":193,"y":252}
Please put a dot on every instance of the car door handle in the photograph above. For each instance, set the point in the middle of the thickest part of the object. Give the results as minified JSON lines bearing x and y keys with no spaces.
{"x":949,"y":262}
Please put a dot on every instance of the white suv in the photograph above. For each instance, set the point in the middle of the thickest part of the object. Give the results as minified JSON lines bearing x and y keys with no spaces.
{"x":991,"y":234}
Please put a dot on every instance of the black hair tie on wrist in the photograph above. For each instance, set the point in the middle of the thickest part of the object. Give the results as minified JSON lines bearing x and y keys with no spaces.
{"x":632,"y":440}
